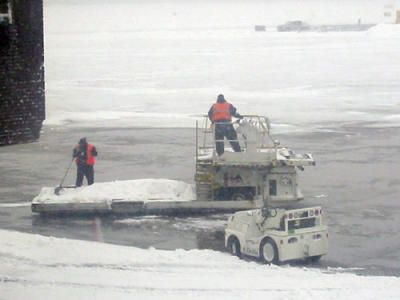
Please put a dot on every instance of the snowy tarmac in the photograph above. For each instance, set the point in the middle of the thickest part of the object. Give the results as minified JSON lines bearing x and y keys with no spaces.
{"x":48,"y":268}
{"x":135,"y":83}
{"x":357,"y":193}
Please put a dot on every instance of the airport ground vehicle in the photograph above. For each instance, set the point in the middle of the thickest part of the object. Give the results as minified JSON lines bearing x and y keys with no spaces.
{"x":294,"y":26}
{"x":277,"y":228}
{"x":277,"y":235}
{"x":262,"y":172}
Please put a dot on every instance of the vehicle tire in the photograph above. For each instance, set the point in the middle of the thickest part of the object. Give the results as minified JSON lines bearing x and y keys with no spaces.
{"x":242,"y":195}
{"x":269,"y":252}
{"x":314,"y":259}
{"x":234,"y":247}
{"x":239,"y":196}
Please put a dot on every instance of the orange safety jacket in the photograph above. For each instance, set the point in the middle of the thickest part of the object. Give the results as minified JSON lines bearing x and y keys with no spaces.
{"x":221,"y":111}
{"x":90,"y":158}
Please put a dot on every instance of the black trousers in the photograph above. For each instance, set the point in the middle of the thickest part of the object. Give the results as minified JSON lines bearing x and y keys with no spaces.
{"x":225,"y":130}
{"x":84,"y":170}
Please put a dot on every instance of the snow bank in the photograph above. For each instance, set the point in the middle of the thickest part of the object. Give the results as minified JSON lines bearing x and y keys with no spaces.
{"x":385,"y":30}
{"x":48,"y":268}
{"x":141,"y":189}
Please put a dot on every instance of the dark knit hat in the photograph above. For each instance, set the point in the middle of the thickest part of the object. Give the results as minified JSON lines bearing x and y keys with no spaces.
{"x":221,"y":98}
{"x":82,"y":141}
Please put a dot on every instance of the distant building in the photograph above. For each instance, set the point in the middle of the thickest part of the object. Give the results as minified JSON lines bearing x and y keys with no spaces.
{"x":22,"y":99}
{"x":391,"y":13}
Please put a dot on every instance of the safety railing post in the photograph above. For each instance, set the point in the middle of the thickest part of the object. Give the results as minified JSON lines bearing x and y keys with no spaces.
{"x":197,"y":142}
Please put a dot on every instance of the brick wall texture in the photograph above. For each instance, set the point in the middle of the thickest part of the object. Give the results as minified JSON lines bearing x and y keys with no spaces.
{"x":22,"y":94}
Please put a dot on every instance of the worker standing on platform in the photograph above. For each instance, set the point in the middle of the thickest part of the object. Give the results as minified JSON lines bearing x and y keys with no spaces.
{"x":220,"y":115}
{"x":84,"y":154}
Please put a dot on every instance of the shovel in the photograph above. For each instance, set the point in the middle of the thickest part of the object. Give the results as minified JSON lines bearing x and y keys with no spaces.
{"x":60,"y":187}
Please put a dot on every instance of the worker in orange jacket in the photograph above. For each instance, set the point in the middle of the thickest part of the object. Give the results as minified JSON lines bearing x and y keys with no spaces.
{"x":84,"y":154}
{"x":220,"y":114}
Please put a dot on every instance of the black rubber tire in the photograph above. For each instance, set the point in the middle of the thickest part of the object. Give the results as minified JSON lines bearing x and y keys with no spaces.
{"x":234,"y":247}
{"x":269,"y":252}
{"x":239,"y":196}
{"x":242,"y":195}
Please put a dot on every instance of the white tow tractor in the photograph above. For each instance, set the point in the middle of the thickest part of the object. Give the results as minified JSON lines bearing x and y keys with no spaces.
{"x":277,"y":235}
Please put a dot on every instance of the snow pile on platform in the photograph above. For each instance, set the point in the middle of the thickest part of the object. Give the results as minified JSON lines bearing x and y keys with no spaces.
{"x":141,"y":190}
{"x":53,"y":268}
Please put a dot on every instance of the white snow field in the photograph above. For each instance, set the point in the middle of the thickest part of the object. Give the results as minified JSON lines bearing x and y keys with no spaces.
{"x":158,"y":63}
{"x":38,"y":267}
{"x":140,"y":189}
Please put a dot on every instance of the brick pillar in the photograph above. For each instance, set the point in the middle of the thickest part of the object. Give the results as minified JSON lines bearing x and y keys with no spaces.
{"x":22,"y":101}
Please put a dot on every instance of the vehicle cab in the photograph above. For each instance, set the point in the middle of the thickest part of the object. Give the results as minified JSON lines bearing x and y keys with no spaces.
{"x":278,"y":234}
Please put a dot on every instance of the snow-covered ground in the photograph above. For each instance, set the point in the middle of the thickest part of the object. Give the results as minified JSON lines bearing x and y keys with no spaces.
{"x":38,"y":267}
{"x":163,"y":63}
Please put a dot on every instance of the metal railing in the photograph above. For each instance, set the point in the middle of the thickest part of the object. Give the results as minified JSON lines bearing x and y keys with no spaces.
{"x":252,"y":129}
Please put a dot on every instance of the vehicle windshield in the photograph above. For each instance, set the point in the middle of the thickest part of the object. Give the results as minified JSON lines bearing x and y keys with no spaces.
{"x":301,"y":223}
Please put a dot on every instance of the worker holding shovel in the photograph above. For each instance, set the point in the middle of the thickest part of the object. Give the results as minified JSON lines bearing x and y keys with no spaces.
{"x":84,"y":154}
